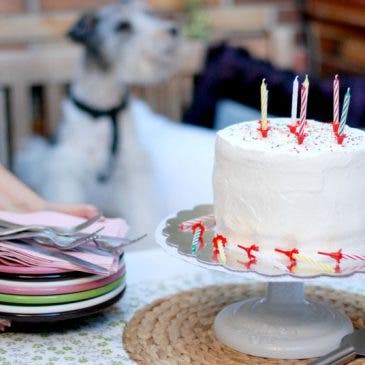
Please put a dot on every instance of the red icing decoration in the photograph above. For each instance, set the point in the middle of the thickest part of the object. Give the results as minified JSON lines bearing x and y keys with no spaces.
{"x":290,"y":253}
{"x":338,"y":269}
{"x":338,"y":256}
{"x":340,"y":138}
{"x":247,"y":264}
{"x":292,"y":266}
{"x":202,"y":231}
{"x":249,"y":250}
{"x":264,"y":132}
{"x":218,"y":238}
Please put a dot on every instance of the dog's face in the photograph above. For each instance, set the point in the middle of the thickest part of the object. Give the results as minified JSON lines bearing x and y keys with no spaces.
{"x":127,"y":38}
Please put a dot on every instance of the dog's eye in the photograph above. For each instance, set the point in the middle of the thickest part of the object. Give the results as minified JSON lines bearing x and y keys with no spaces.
{"x":123,"y":26}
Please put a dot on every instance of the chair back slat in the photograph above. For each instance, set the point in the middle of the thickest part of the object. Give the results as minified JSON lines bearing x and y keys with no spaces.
{"x":54,"y":93}
{"x":20,"y":114}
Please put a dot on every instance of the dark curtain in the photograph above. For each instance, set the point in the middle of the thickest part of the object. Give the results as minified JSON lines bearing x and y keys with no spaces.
{"x":231,"y":73}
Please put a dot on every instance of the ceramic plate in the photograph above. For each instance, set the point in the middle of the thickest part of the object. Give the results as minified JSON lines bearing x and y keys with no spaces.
{"x":28,"y":287}
{"x":49,"y":318}
{"x":45,"y":309}
{"x":61,"y":298}
{"x":43,"y":277}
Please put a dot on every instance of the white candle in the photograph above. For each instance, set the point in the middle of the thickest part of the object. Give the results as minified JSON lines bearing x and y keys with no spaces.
{"x":294,"y":101}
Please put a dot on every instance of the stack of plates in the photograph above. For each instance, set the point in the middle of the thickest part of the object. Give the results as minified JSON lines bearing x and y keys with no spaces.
{"x":34,"y":295}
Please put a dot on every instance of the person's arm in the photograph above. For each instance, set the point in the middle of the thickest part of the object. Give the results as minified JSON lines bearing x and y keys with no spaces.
{"x":16,"y":196}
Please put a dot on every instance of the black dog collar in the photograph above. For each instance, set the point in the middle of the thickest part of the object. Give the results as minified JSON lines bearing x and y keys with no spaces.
{"x":112,"y":114}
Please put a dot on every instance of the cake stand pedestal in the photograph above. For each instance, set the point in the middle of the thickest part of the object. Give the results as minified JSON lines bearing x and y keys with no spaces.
{"x":283,"y":324}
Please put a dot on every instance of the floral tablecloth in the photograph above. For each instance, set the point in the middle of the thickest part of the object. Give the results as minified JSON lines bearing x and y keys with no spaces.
{"x":151,"y":274}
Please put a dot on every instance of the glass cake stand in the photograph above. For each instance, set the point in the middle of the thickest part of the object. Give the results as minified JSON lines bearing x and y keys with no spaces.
{"x":283,"y":324}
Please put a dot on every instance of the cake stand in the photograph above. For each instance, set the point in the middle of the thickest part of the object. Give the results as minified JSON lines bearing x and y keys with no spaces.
{"x":283,"y":324}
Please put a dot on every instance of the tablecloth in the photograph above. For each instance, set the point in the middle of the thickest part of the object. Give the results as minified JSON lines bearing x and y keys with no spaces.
{"x":151,"y":274}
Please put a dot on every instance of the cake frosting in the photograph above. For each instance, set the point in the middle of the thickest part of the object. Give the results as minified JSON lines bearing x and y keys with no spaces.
{"x":276,"y":193}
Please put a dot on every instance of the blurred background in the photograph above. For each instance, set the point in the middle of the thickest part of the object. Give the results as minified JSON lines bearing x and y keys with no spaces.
{"x":319,"y":37}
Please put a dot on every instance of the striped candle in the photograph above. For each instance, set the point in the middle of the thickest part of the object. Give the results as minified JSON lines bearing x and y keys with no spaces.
{"x":264,"y":99}
{"x":303,"y":106}
{"x":196,"y":237}
{"x":320,"y":266}
{"x":353,"y":257}
{"x":294,"y":101}
{"x":187,"y":225}
{"x":221,"y":254}
{"x":345,"y":110}
{"x":336,"y":100}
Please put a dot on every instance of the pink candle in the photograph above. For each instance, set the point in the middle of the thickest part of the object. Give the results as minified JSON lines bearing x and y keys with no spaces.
{"x":336,"y":100}
{"x":303,"y":109}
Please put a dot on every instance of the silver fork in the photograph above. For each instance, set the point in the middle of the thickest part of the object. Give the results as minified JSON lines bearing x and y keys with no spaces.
{"x":52,"y":239}
{"x":14,"y":228}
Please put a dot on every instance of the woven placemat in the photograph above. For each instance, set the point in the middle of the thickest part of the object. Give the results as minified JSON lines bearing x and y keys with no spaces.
{"x":178,"y":329}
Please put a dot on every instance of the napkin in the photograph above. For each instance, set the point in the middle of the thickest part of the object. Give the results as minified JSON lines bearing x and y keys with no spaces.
{"x":12,"y":255}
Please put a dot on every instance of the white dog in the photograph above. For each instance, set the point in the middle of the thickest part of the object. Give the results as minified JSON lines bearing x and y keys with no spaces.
{"x":96,"y":157}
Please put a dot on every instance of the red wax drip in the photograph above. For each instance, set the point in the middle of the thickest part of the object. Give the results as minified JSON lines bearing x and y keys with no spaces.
{"x":300,"y":137}
{"x":202,"y":231}
{"x":335,"y":126}
{"x":264,"y":132}
{"x":293,"y":128}
{"x":290,"y":253}
{"x":249,"y":250}
{"x":340,"y":138}
{"x":338,"y":256}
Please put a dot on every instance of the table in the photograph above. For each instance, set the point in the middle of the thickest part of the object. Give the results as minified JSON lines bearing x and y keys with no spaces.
{"x":151,"y":274}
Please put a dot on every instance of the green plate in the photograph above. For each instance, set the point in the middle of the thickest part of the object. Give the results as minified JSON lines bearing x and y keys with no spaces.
{"x":60,"y":298}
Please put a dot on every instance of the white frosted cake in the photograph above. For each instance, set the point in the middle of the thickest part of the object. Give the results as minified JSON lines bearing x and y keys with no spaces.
{"x":275,"y":193}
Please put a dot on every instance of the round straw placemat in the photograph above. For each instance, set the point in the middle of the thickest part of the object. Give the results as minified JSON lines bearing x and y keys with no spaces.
{"x":178,"y":329}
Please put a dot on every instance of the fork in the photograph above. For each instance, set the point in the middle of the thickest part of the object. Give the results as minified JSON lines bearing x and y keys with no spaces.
{"x":52,"y":239}
{"x":13,"y":228}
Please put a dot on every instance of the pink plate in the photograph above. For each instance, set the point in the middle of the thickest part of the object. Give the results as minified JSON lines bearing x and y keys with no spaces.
{"x":54,"y":289}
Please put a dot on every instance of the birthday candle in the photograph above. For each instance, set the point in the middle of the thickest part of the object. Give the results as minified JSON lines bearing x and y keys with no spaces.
{"x":336,"y":100}
{"x":264,"y":100}
{"x":294,"y":101}
{"x":321,"y":266}
{"x":196,"y":237}
{"x":303,"y":105}
{"x":345,"y":110}
{"x":221,"y":254}
{"x":187,"y":225}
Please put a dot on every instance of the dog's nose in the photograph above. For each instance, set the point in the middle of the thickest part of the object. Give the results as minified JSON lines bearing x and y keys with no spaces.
{"x":173,"y":31}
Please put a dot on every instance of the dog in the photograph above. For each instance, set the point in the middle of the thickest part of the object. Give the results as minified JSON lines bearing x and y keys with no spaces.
{"x":96,"y":157}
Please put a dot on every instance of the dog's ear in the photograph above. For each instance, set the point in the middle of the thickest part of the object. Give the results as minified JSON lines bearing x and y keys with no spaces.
{"x":82,"y":30}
